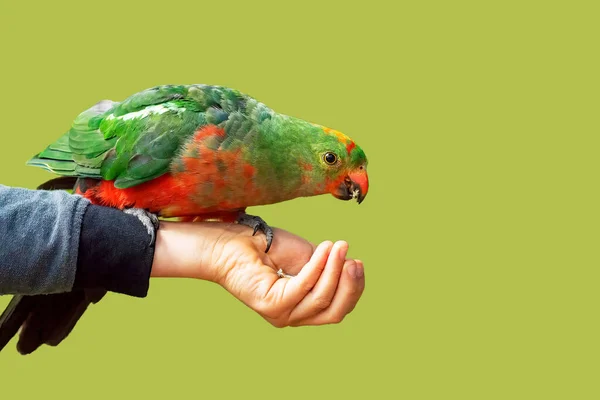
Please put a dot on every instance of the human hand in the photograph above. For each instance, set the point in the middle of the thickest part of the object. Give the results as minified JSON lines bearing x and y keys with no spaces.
{"x":326,"y":287}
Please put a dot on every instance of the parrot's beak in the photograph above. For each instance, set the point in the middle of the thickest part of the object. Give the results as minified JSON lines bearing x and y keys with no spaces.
{"x":354,"y":186}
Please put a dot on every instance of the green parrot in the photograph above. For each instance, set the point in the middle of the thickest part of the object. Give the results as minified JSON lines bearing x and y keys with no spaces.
{"x":190,"y":152}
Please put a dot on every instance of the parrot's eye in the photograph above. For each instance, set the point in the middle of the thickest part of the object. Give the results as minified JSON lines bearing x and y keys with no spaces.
{"x":330,"y":158}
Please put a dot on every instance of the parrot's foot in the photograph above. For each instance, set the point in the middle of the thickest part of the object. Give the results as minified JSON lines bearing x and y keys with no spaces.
{"x":149,"y":220}
{"x":282,"y":274}
{"x":258,"y":224}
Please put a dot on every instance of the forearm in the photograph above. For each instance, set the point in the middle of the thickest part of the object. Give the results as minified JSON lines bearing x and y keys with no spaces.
{"x":183,"y":249}
{"x":114,"y":253}
{"x":56,"y":242}
{"x":194,"y":249}
{"x":51,"y":241}
{"x":38,"y":232}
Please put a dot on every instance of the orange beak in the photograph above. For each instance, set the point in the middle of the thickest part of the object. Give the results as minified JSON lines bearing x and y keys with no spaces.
{"x":354,"y":186}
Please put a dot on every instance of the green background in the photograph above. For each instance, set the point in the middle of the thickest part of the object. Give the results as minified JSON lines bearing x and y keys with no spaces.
{"x":479,"y":234}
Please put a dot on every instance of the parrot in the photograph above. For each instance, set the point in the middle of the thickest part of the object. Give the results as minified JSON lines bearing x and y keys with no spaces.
{"x":185,"y":152}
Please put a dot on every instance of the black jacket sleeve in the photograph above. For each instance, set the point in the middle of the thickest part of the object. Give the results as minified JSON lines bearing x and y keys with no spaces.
{"x":114,"y":252}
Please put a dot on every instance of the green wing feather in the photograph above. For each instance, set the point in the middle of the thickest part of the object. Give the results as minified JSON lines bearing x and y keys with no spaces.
{"x":136,"y":140}
{"x":61,"y":158}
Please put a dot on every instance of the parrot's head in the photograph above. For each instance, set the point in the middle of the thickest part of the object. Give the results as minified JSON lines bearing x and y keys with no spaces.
{"x":342,"y":165}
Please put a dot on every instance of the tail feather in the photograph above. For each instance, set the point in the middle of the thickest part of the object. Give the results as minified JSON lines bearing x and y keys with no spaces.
{"x":53,"y":317}
{"x":13,"y":317}
{"x":60,"y":183}
{"x":72,"y":316}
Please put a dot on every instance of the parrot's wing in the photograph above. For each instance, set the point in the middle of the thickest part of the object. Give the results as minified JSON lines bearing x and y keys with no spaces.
{"x":136,"y":140}
{"x":147,"y":142}
{"x":58,"y":157}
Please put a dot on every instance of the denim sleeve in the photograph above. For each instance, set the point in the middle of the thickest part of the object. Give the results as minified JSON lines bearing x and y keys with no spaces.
{"x":39,"y":240}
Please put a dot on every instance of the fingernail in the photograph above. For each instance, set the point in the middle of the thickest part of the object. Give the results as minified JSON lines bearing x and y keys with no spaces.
{"x":343,"y":250}
{"x":360,"y":271}
{"x":352,"y":270}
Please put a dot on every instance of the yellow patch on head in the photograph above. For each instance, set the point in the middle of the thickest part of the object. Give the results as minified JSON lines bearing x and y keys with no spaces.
{"x":340,"y":136}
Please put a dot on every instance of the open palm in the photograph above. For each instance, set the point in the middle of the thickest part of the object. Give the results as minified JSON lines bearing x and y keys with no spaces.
{"x":325,"y":288}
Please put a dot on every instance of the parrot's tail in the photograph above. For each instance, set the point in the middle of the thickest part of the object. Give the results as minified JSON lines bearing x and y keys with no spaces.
{"x":45,"y":319}
{"x":13,"y":317}
{"x":60,"y":183}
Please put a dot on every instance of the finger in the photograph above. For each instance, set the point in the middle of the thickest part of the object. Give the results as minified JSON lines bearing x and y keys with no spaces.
{"x":290,"y":251}
{"x":350,"y":288}
{"x":299,"y":286}
{"x":290,"y":239}
{"x":321,"y":296}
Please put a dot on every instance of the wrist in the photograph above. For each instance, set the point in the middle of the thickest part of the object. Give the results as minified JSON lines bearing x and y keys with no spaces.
{"x":183,"y":250}
{"x":117,"y":260}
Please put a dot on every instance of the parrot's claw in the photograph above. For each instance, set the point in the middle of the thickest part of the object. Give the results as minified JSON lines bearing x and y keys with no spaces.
{"x":258,"y":224}
{"x":282,"y":274}
{"x":149,"y":220}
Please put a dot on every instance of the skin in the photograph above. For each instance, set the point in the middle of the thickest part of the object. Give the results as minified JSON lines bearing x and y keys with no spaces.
{"x":198,"y":152}
{"x":326,"y":287}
